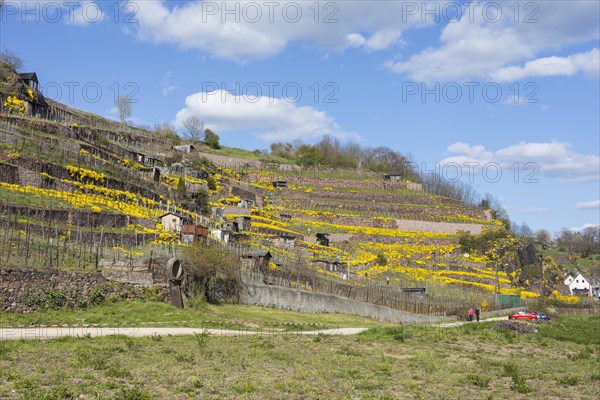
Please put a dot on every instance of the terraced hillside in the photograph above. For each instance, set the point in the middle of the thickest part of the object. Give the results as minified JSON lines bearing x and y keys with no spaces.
{"x":377,"y":231}
{"x":77,"y":188}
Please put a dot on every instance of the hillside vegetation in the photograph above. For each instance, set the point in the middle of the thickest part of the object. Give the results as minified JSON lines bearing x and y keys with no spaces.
{"x":76,"y":188}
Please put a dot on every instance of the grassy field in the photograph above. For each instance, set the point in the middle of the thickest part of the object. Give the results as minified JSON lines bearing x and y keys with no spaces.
{"x":475,"y":361}
{"x":132,"y":313}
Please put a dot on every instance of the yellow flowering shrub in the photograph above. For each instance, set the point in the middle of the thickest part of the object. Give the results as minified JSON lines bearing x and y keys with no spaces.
{"x":85,"y":175}
{"x":14,"y":105}
{"x":565,"y":298}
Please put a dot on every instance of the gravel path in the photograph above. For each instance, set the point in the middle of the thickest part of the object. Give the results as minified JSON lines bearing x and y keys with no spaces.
{"x":33,"y":333}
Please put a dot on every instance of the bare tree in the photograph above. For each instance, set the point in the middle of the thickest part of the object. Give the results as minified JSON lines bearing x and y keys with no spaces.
{"x":11,"y":59}
{"x":357,"y":153}
{"x":543,"y":237}
{"x":194,"y":127}
{"x":522,"y":231}
{"x":124,"y":107}
{"x":585,"y":241}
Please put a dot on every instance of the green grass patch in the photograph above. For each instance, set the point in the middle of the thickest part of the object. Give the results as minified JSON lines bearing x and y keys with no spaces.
{"x":227,"y":316}
{"x":481,"y":381}
{"x":577,"y":328}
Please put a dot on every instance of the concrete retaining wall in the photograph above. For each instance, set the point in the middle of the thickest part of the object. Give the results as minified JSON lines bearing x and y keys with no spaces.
{"x":305,"y":301}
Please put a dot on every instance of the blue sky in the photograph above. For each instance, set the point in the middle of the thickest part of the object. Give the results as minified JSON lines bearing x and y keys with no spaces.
{"x":461,"y":86}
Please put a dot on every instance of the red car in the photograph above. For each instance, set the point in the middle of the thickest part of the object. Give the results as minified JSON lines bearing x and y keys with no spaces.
{"x":523,"y":315}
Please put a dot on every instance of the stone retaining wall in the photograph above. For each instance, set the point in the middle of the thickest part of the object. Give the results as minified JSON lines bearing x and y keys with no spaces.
{"x":440,"y":227}
{"x":30,"y":290}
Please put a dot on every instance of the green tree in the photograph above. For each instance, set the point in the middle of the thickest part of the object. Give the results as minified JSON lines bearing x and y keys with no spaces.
{"x":308,"y":155}
{"x":211,"y":139}
{"x":210,"y":181}
{"x":181,"y":189}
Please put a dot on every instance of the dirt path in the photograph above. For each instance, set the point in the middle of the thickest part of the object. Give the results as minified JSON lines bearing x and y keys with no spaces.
{"x":52,"y":333}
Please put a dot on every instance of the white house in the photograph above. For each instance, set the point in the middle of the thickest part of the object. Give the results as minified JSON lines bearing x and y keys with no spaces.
{"x":171,"y":222}
{"x":569,"y":279}
{"x":579,"y":285}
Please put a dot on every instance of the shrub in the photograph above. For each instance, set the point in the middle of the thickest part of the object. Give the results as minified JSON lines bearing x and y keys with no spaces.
{"x":152,"y":293}
{"x":478,"y":380}
{"x":201,"y":339}
{"x":54,"y":298}
{"x":132,"y":394}
{"x":214,"y":272}
{"x":4,"y":350}
{"x":95,"y":297}
{"x":243,"y":388}
{"x":568,"y":380}
{"x":118,"y":373}
{"x":481,"y":243}
{"x":56,"y":393}
{"x":210,"y":181}
{"x":381,"y":259}
{"x":385,"y":333}
{"x":518,"y":381}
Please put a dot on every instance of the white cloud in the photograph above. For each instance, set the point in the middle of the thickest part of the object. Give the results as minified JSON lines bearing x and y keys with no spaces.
{"x":588,"y":62}
{"x":580,"y":228}
{"x":168,"y":86}
{"x":534,"y":210}
{"x":378,"y":41}
{"x":271,"y":119}
{"x":465,"y":153}
{"x":588,"y":205}
{"x":356,"y":40}
{"x":550,"y":159}
{"x":480,"y":48}
{"x":264,"y":29}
